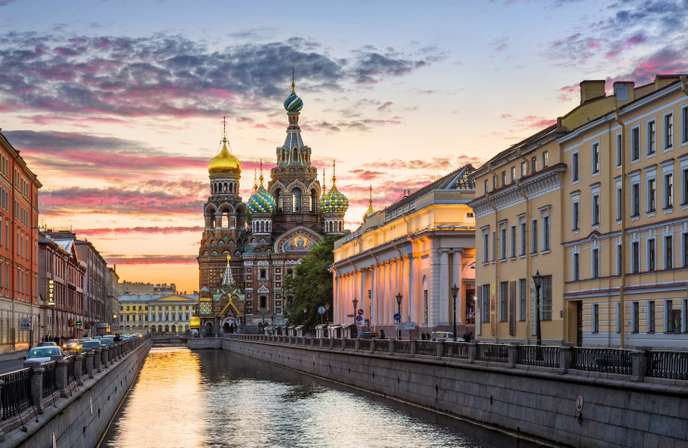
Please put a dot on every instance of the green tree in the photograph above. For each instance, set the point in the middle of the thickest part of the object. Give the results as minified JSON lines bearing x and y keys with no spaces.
{"x":311,"y":286}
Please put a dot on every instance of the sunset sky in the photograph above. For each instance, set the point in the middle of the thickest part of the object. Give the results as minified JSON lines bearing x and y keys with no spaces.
{"x":118,"y":105}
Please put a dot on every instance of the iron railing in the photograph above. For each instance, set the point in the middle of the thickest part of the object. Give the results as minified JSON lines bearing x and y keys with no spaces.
{"x":71,"y":372}
{"x":457,"y":349}
{"x":15,"y":392}
{"x":538,"y":355}
{"x":665,"y":364}
{"x":607,"y":360}
{"x":49,"y":378}
{"x":426,"y":348}
{"x":493,"y":352}
{"x":364,"y":344}
{"x":350,"y":343}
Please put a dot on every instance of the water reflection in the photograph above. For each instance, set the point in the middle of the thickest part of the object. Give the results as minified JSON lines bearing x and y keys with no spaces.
{"x":213,"y":398}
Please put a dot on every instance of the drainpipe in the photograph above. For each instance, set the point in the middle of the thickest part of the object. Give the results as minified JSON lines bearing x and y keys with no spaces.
{"x":622,"y":268}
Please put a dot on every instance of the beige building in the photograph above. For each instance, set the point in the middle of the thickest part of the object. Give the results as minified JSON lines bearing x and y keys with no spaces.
{"x":155,"y":313}
{"x":598,"y":205}
{"x":417,"y":248}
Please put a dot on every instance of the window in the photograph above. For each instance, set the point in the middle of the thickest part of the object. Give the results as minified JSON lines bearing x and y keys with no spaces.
{"x":635,"y":144}
{"x":485,"y":184}
{"x":651,"y":254}
{"x":263,"y":274}
{"x":494,"y":182}
{"x":685,"y":249}
{"x":576,"y":266}
{"x":619,"y":151}
{"x":524,"y":168}
{"x":513,"y":174}
{"x":503,"y":178}
{"x":595,"y":318}
{"x":575,"y":215}
{"x":596,"y":209}
{"x":619,"y":201}
{"x":635,"y":317}
{"x":684,"y":184}
{"x":668,"y":131}
{"x":684,"y":124}
{"x":545,"y":232}
{"x":672,"y":317}
{"x":545,"y":159}
{"x":534,"y":236}
{"x":651,"y":316}
{"x":635,"y":200}
{"x":668,"y":190}
{"x":635,"y":257}
{"x":523,"y":236}
{"x":486,"y":246}
{"x":502,"y":242}
{"x":546,"y":296}
{"x":619,"y":320}
{"x":651,"y":137}
{"x":595,"y":158}
{"x":574,"y":166}
{"x":595,"y":262}
{"x":513,"y":241}
{"x":533,"y":165}
{"x":503,"y":298}
{"x":522,"y":291}
{"x":668,"y":252}
{"x":494,"y":246}
{"x":651,"y":195}
{"x":485,"y":303}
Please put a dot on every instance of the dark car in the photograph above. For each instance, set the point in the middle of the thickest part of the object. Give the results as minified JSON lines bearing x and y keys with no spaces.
{"x":40,"y":355}
{"x":90,"y":344}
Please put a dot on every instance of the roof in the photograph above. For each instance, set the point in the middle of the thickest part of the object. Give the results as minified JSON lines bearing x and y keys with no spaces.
{"x":165,"y":298}
{"x":19,"y":159}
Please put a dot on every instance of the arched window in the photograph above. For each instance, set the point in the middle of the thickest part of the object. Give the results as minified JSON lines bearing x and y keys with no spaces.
{"x":278,"y":199}
{"x":314,"y":200}
{"x":296,"y":200}
{"x":294,"y":157}
{"x":211,"y":218}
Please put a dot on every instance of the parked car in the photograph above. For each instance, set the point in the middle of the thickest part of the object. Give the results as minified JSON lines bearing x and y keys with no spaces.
{"x":107,"y":341}
{"x":47,"y":344}
{"x":72,"y":345}
{"x":439,"y":336}
{"x":39,"y":355}
{"x":90,"y":344}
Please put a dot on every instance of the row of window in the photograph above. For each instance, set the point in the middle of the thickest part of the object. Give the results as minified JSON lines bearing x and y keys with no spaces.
{"x":509,"y":236}
{"x":513,"y":292}
{"x":651,"y":136}
{"x":158,"y":317}
{"x":674,"y":319}
{"x":156,"y":307}
{"x":527,"y":167}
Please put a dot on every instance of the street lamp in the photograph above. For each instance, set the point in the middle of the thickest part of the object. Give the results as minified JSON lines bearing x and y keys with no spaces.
{"x":354,"y":302}
{"x":537,"y":280}
{"x":398,"y":297}
{"x":455,"y":292}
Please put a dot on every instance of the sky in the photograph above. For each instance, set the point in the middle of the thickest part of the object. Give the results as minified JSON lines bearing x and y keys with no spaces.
{"x":117,"y":106}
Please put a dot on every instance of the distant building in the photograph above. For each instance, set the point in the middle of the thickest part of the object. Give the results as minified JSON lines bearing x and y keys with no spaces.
{"x":19,"y":310}
{"x":60,"y":290}
{"x":418,"y":248}
{"x":111,"y":294}
{"x":134,"y":288}
{"x":156,"y":313}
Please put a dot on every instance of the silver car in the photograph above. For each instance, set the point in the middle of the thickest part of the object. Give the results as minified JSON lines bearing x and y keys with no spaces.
{"x":40,"y":355}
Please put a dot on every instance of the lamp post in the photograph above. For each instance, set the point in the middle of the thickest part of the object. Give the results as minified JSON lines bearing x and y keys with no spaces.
{"x":398,"y":297}
{"x":455,"y":292}
{"x":354,"y":302}
{"x":537,"y":280}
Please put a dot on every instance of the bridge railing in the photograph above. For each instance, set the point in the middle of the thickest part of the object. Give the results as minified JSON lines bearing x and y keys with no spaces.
{"x":637,"y":364}
{"x":15,"y":393}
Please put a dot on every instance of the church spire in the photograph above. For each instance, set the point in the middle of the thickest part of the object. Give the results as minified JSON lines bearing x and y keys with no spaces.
{"x":227,"y":279}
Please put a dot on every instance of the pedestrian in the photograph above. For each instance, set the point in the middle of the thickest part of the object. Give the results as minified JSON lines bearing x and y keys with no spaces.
{"x":382,"y":333}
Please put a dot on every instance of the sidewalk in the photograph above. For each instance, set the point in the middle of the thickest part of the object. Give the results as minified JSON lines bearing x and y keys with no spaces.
{"x":12,"y":361}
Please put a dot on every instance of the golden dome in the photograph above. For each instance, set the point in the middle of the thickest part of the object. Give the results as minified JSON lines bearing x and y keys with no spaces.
{"x":224,"y":162}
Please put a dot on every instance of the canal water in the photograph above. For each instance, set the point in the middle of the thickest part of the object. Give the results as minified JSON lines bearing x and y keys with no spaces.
{"x":213,"y":398}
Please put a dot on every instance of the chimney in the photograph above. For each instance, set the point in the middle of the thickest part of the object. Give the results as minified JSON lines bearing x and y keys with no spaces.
{"x":589,"y":90}
{"x":624,"y":91}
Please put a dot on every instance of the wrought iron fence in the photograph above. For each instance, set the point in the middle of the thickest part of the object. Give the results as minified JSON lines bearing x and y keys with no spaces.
{"x":426,"y":347}
{"x":364,"y":344}
{"x":49,"y":378}
{"x":456,"y":349}
{"x":350,"y":343}
{"x":665,"y":364}
{"x":84,"y":367}
{"x":538,"y":355}
{"x":493,"y":352}
{"x":402,"y":346}
{"x":607,"y":360}
{"x":15,"y":392}
{"x":71,"y":370}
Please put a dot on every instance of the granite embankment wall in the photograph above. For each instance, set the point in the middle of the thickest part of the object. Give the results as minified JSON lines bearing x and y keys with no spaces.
{"x":80,"y":418}
{"x":534,"y":403}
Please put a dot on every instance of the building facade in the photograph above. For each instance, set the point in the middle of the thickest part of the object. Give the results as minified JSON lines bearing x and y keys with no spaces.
{"x":418,"y":249}
{"x":540,"y":208}
{"x":19,"y":310}
{"x":133,"y":288}
{"x":111,"y":303}
{"x":156,"y":313}
{"x":60,"y":290}
{"x":266,"y":236}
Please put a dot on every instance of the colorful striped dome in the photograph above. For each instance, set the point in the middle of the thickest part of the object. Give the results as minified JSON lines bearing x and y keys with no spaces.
{"x":333,"y":202}
{"x":293,"y":103}
{"x":261,"y":201}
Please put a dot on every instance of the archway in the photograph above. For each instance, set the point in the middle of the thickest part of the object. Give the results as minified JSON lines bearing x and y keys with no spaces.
{"x":227,"y":328}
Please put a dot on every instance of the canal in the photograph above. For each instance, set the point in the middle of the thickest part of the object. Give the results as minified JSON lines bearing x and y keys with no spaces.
{"x":214,"y":398}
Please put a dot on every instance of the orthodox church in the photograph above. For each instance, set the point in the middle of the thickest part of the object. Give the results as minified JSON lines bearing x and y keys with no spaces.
{"x":249,"y":248}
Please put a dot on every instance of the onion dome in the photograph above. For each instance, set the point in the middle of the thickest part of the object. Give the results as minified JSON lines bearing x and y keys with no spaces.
{"x":333,"y":202}
{"x":293,"y":104}
{"x":224,"y":162}
{"x":261,"y":201}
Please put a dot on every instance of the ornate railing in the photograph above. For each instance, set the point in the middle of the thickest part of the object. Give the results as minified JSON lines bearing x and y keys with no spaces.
{"x":402,"y":346}
{"x":665,"y":364}
{"x":457,"y":349}
{"x":364,"y":344}
{"x":538,"y":355}
{"x":426,"y":348}
{"x":71,"y":371}
{"x":350,"y":343}
{"x":493,"y":352}
{"x":15,"y":393}
{"x":49,"y":378}
{"x":607,"y":360}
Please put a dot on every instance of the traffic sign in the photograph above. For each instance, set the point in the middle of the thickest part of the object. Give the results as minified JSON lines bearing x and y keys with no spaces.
{"x":25,"y":323}
{"x":359,"y":318}
{"x":397,"y":317}
{"x":322,"y":310}
{"x":360,"y":312}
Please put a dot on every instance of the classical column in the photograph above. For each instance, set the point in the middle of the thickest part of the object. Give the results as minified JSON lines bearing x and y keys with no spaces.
{"x":363,"y":300}
{"x":460,"y":298}
{"x":411,"y":291}
{"x":444,"y":290}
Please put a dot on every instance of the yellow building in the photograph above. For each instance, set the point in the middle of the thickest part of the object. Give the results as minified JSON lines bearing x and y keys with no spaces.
{"x":597,"y":203}
{"x":156,"y":314}
{"x":417,"y":248}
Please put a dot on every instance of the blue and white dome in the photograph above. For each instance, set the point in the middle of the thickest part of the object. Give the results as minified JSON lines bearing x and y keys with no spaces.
{"x":261,"y":201}
{"x":293,"y":104}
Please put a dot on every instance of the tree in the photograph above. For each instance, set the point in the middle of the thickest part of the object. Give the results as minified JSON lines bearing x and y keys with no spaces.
{"x":311,"y":285}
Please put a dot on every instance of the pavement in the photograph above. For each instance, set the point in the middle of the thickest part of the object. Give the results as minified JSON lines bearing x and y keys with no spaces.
{"x":11,"y":361}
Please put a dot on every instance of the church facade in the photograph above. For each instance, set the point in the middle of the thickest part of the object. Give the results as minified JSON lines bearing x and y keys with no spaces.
{"x":258,"y":242}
